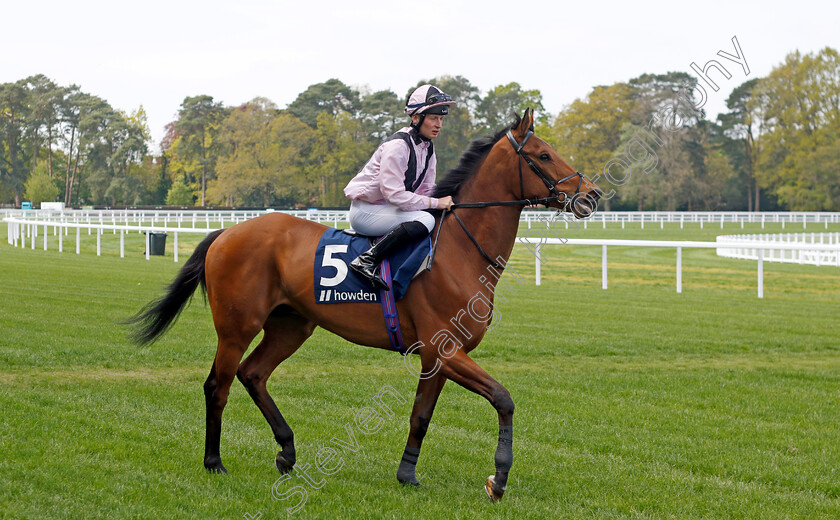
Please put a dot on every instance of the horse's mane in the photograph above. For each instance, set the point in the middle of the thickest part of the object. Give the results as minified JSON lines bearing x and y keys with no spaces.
{"x":469,"y":161}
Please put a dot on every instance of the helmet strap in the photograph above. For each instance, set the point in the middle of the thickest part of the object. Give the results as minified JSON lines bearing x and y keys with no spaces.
{"x":419,"y":123}
{"x":415,"y":130}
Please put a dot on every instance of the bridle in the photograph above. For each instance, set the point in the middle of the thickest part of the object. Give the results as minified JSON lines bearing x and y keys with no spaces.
{"x":552,"y":186}
{"x":554,"y":196}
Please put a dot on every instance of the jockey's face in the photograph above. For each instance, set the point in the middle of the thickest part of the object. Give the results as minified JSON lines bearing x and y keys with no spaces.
{"x":431,"y":125}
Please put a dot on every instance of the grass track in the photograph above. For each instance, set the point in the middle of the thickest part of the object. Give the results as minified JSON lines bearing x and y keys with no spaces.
{"x":634,"y":402}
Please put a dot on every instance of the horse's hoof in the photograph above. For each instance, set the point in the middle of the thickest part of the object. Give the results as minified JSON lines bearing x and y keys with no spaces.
{"x":283,"y":465}
{"x":413,"y":482}
{"x":493,"y":494}
{"x":215,"y":466}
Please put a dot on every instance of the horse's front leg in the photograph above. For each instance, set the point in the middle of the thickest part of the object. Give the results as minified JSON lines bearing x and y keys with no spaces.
{"x":461,"y":369}
{"x":428,"y":391}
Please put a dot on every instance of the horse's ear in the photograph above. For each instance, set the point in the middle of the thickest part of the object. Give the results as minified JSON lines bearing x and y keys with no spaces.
{"x":527,"y":122}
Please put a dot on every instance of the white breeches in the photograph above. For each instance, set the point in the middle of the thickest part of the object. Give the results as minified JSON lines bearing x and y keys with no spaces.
{"x":379,"y":219}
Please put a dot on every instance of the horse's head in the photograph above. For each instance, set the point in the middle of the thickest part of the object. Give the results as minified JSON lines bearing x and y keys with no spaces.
{"x":546,"y":175}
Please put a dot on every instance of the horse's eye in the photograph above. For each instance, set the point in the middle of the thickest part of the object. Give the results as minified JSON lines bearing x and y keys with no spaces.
{"x":545,"y":157}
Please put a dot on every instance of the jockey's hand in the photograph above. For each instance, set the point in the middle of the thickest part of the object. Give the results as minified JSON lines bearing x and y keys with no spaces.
{"x":445,"y":202}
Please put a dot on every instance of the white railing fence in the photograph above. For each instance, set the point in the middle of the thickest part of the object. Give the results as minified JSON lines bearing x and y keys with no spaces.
{"x":21,"y":229}
{"x":205,"y":218}
{"x":537,"y":245}
{"x":27,"y":225}
{"x":768,"y":242}
{"x":167,"y":218}
{"x":696,"y":218}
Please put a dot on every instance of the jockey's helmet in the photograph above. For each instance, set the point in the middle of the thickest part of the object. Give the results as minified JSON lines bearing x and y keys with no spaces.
{"x":428,"y":99}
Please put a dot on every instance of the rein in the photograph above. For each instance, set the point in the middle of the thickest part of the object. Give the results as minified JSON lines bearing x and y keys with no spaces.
{"x":552,"y":189}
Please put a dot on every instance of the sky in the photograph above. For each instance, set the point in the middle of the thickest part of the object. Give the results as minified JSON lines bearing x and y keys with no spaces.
{"x":155,"y":53}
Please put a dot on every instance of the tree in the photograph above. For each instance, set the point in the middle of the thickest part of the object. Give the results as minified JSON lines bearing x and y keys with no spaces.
{"x":70,"y":116}
{"x":262,"y":157}
{"x":180,"y":195}
{"x":44,"y":106}
{"x":663,"y":130}
{"x":101,"y":132}
{"x":743,"y":124}
{"x":134,"y":162}
{"x":339,"y":152}
{"x":40,"y":187}
{"x":588,"y":132}
{"x":197,"y":125}
{"x":124,"y":191}
{"x":131,"y":171}
{"x":713,"y":173}
{"x":13,"y":111}
{"x":800,"y":103}
{"x":816,"y":185}
{"x":495,"y":109}
{"x":292,"y":142}
{"x":332,"y":97}
{"x":382,"y":113}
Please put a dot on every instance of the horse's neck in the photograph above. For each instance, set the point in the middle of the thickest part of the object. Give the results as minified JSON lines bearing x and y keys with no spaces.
{"x":494,"y":228}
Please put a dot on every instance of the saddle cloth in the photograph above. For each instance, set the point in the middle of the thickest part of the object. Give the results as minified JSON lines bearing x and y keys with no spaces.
{"x":335,"y":282}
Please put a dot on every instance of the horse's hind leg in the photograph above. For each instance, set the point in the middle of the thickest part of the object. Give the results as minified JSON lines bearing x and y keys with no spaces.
{"x":283,"y":335}
{"x":216,"y":389}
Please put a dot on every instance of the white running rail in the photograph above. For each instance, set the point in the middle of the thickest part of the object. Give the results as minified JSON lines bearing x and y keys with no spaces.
{"x":21,"y":229}
{"x":536,"y":247}
{"x":201,"y":218}
{"x":769,"y":242}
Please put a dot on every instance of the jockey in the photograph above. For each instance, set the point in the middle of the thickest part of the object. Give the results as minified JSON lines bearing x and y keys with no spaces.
{"x":391,"y":195}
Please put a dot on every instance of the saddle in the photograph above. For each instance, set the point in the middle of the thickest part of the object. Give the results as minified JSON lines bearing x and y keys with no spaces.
{"x":335,"y":282}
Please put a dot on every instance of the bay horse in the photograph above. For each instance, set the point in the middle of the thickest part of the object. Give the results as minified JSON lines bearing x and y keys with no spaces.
{"x":258,"y":275}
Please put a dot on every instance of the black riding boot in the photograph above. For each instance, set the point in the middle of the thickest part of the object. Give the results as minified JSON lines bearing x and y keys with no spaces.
{"x":366,"y":264}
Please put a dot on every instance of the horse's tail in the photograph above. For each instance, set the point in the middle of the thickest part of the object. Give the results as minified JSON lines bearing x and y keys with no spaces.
{"x":157,"y":316}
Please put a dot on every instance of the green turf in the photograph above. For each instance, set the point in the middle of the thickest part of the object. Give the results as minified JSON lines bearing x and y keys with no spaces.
{"x":634,"y":402}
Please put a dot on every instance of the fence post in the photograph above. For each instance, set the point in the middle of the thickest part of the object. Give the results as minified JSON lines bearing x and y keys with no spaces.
{"x":761,"y":273}
{"x":679,"y":270}
{"x":603,"y":267}
{"x":538,"y":262}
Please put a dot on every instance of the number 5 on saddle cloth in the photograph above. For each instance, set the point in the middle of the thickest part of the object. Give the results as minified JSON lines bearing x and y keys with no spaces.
{"x":335,"y":282}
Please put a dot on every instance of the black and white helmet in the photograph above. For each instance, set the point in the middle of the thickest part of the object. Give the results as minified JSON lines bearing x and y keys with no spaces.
{"x":428,"y":99}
